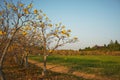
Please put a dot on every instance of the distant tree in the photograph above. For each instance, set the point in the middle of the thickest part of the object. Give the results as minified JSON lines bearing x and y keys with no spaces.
{"x":116,"y":42}
{"x":114,"y":46}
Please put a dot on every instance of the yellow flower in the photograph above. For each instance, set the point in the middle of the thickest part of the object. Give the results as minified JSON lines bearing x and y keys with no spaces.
{"x":27,"y":28}
{"x":68,"y":35}
{"x":24,"y":33}
{"x":69,"y":30}
{"x":9,"y":6}
{"x":56,"y":31}
{"x":75,"y":38}
{"x":63,"y":26}
{"x":50,"y":25}
{"x":1,"y":33}
{"x":34,"y":30}
{"x":19,"y":15}
{"x":30,"y":5}
{"x":50,"y":51}
{"x":4,"y":33}
{"x":42,"y":25}
{"x":35,"y":11}
{"x":39,"y":17}
{"x":56,"y":35}
{"x":15,"y":9}
{"x":21,"y":5}
{"x":63,"y":31}
{"x":25,"y":10}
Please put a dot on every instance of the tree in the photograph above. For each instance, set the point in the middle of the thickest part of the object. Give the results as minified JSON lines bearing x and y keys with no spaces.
{"x":13,"y":16}
{"x":27,"y":38}
{"x":51,"y":35}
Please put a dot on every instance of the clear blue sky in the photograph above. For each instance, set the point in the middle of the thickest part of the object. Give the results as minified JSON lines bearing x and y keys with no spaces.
{"x":92,"y":21}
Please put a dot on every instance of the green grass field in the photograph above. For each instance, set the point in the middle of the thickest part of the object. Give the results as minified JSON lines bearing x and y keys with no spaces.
{"x":107,"y":66}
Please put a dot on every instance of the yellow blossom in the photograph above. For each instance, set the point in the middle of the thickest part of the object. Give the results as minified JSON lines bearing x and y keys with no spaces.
{"x":24,"y":33}
{"x":75,"y":38}
{"x":39,"y":17}
{"x":35,"y":11}
{"x":55,"y":35}
{"x":30,"y":5}
{"x":50,"y":51}
{"x":21,"y":5}
{"x":68,"y":35}
{"x":42,"y":25}
{"x":19,"y":15}
{"x":69,"y":30}
{"x":34,"y":30}
{"x":4,"y":33}
{"x":1,"y":33}
{"x":63,"y":26}
{"x":15,"y":9}
{"x":50,"y":25}
{"x":27,"y":28}
{"x":63,"y":31}
{"x":25,"y":10}
{"x":9,"y":6}
{"x":56,"y":31}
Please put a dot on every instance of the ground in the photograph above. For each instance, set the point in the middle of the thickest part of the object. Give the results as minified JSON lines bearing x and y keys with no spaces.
{"x":100,"y":67}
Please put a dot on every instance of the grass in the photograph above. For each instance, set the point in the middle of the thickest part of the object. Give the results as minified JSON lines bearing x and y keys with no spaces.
{"x":107,"y":66}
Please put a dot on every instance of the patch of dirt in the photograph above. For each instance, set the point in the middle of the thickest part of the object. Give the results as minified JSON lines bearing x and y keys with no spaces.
{"x":63,"y":69}
{"x":51,"y":67}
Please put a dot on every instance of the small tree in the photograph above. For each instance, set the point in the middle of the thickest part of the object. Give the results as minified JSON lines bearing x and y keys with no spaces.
{"x":52,"y":36}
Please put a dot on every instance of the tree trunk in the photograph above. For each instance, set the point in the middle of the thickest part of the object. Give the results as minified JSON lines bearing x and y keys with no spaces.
{"x":44,"y":63}
{"x":22,"y":60}
{"x":2,"y":60}
{"x":1,"y":75}
{"x":26,"y":61}
{"x":16,"y":59}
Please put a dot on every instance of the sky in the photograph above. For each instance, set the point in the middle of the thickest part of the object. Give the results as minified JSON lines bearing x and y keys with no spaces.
{"x":94,"y":22}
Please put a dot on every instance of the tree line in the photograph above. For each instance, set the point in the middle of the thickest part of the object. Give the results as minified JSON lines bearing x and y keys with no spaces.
{"x":112,"y":46}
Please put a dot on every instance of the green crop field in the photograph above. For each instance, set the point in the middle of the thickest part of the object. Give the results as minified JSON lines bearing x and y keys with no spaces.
{"x":106,"y":66}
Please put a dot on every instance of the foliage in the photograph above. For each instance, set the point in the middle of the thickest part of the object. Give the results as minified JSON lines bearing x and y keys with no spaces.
{"x":112,"y":46}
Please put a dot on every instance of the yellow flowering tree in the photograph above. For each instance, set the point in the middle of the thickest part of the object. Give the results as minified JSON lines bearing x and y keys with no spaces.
{"x":13,"y":16}
{"x":52,"y":36}
{"x":27,"y":37}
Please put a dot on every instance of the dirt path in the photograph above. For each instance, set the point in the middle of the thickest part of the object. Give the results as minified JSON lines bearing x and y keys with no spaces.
{"x":63,"y":69}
